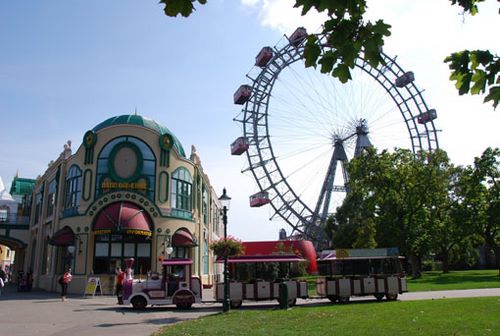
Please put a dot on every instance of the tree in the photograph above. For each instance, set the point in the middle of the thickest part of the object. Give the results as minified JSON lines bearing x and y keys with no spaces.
{"x":351,"y":36}
{"x":481,"y":190}
{"x":452,"y":235}
{"x":404,"y":200}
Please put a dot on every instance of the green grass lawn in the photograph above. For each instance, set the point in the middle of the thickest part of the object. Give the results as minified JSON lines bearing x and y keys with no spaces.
{"x":459,"y":317}
{"x":433,"y":281}
{"x":436,"y":280}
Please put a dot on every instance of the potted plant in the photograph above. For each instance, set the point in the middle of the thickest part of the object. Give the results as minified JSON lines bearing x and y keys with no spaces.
{"x":230,"y":246}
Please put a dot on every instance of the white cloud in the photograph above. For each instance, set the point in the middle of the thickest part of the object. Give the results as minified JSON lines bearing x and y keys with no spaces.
{"x":280,"y":15}
{"x":250,"y":3}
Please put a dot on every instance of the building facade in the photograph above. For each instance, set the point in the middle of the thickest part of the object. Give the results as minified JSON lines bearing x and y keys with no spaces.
{"x":128,"y":191}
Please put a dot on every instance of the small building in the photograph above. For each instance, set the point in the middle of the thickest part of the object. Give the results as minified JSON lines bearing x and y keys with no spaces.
{"x":127,"y":191}
{"x":14,"y":224}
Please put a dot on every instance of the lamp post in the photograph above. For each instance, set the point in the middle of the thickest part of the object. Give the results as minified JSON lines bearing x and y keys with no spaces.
{"x":225,"y":201}
{"x":168,"y":245}
{"x":71,"y":251}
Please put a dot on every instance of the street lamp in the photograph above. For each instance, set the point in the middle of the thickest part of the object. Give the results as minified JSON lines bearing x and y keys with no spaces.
{"x":225,"y":201}
{"x":168,"y":245}
{"x":71,"y":251}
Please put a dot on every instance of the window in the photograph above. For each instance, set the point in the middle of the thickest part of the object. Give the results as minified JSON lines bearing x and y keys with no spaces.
{"x":205,"y":253}
{"x":45,"y":256}
{"x":38,"y":205}
{"x":126,"y":163}
{"x":112,"y":250}
{"x":4,"y":214}
{"x":180,"y":252}
{"x":205,"y":206}
{"x":52,"y":197}
{"x":73,"y":187}
{"x":182,"y":185}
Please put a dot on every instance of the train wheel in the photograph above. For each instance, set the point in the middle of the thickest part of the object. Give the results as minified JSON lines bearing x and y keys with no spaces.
{"x":333,"y":298}
{"x":292,"y":302}
{"x":391,"y":297}
{"x":235,"y":304}
{"x":183,"y":305}
{"x":344,"y":299}
{"x":139,"y":303}
{"x":379,"y":297}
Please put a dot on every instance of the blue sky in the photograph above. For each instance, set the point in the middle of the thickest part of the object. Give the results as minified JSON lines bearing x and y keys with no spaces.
{"x":67,"y":65}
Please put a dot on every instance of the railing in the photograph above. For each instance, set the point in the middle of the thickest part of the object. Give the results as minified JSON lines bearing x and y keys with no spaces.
{"x":15,"y":220}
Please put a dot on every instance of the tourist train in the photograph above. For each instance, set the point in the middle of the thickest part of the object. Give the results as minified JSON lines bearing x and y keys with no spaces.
{"x":341,"y":274}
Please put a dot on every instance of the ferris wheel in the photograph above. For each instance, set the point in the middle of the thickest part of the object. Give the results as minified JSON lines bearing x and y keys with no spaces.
{"x":300,"y":127}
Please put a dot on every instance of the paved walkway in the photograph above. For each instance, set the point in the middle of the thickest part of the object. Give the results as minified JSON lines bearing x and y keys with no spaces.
{"x":42,"y":313}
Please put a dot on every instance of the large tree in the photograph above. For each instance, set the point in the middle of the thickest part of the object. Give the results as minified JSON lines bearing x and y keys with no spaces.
{"x":395,"y":198}
{"x":480,"y":188}
{"x":352,"y":36}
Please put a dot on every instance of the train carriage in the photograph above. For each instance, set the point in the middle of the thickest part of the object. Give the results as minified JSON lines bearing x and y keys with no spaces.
{"x":363,"y":272}
{"x":257,"y":278}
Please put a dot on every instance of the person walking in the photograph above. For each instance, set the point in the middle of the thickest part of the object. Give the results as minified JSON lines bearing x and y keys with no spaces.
{"x":120,"y":276}
{"x":64,"y":281}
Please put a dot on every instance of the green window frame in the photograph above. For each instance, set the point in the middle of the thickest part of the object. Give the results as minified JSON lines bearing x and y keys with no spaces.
{"x":181,"y":191}
{"x":73,"y":187}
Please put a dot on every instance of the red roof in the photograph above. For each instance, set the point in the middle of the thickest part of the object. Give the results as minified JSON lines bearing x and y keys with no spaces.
{"x":304,"y":248}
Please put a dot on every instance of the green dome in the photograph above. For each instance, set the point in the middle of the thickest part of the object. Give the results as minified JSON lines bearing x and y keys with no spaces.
{"x":134,"y":119}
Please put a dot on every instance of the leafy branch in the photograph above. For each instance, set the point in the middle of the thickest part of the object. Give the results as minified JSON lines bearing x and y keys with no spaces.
{"x":476,"y":72}
{"x":183,"y":7}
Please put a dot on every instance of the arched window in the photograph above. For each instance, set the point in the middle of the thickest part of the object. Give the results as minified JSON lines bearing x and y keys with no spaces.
{"x":181,"y":187}
{"x":73,"y":188}
{"x":126,"y":163}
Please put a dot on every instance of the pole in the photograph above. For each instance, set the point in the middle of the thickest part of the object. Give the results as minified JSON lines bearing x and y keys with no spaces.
{"x":225,"y":303}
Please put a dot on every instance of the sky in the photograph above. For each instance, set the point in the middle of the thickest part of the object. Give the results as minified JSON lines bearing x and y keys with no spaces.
{"x":67,"y":65}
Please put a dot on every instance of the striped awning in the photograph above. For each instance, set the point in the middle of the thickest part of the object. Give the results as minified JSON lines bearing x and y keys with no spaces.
{"x":123,"y":217}
{"x":63,"y":237}
{"x":183,"y":238}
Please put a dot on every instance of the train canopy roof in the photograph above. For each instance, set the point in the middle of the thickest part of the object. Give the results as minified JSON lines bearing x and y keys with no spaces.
{"x":262,"y":258}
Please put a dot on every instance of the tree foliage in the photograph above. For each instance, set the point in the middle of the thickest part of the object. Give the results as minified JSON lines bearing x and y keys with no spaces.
{"x":182,"y":7}
{"x":421,"y":203}
{"x":477,"y":72}
{"x":351,"y":36}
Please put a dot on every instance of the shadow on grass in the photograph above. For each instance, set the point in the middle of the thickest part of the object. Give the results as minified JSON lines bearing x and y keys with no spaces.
{"x":456,"y":277}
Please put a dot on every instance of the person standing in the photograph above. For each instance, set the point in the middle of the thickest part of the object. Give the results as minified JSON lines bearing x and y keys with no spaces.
{"x":64,"y":282}
{"x":120,"y":276}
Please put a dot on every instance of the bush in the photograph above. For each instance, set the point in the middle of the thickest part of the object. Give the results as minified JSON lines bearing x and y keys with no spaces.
{"x":428,"y":265}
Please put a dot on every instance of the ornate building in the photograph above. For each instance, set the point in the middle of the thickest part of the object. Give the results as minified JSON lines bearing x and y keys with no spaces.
{"x":128,"y":191}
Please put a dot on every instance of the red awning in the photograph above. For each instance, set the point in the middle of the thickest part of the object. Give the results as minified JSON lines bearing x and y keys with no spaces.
{"x":263,"y":258}
{"x":183,"y":238}
{"x":63,"y":237}
{"x":177,"y":261}
{"x":123,"y":217}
